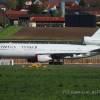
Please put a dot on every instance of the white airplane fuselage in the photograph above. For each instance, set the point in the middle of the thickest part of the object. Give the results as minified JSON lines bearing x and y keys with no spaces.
{"x":31,"y":50}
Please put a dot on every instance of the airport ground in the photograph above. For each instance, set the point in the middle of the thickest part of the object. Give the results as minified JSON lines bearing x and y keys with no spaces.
{"x":48,"y":33}
{"x":56,"y":82}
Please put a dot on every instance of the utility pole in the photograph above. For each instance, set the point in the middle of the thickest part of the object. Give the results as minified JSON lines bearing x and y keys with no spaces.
{"x":62,"y":8}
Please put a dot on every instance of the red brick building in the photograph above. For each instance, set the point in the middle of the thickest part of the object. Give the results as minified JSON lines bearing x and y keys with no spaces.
{"x":18,"y":17}
{"x":41,"y":21}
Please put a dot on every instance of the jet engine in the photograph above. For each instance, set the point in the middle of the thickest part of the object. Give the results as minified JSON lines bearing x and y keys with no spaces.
{"x":43,"y":58}
{"x":40,"y":58}
{"x":75,"y":56}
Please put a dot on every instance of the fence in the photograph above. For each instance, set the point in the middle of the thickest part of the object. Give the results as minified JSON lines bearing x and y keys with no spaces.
{"x":90,"y":60}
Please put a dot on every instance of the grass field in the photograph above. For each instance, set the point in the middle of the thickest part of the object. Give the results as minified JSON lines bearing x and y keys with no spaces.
{"x":66,"y":82}
{"x":9,"y":31}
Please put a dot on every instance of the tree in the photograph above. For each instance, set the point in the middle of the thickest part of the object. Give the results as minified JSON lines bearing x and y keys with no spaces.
{"x":82,"y":3}
{"x":36,"y":9}
{"x":20,"y":3}
{"x":11,"y":4}
{"x":96,"y":5}
{"x":54,"y":13}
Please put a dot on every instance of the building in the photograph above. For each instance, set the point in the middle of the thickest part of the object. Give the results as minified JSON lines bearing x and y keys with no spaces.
{"x":46,"y":21}
{"x":3,"y":7}
{"x":77,"y":19}
{"x":17,"y":17}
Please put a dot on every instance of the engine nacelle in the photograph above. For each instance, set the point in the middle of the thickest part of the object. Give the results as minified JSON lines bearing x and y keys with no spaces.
{"x":43,"y":58}
{"x":75,"y":56}
{"x":78,"y":55}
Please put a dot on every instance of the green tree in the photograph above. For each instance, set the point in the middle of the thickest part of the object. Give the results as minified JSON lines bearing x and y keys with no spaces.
{"x":96,"y":5}
{"x":11,"y":4}
{"x":33,"y":0}
{"x":20,"y":3}
{"x":82,"y":3}
{"x":36,"y":9}
{"x":54,"y":13}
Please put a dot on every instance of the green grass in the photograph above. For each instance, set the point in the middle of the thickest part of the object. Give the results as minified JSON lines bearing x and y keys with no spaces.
{"x":9,"y":31}
{"x":67,"y":82}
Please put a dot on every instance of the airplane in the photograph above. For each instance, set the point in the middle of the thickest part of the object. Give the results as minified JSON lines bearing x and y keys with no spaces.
{"x":47,"y":52}
{"x":92,"y":40}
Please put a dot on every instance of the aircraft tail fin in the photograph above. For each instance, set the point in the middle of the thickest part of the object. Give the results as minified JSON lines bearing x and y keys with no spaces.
{"x":96,"y":34}
{"x":94,"y":39}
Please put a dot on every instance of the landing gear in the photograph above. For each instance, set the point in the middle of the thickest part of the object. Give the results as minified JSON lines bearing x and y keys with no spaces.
{"x":32,"y":60}
{"x":57,"y":62}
